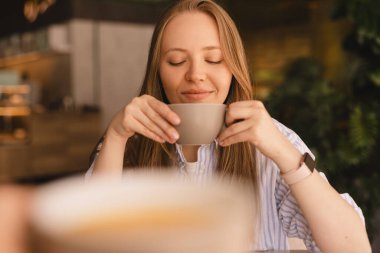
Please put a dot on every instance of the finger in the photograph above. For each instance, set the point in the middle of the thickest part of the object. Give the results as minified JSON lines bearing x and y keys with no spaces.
{"x":244,"y":103}
{"x":141,"y":129}
{"x":247,"y":103}
{"x":234,"y":129}
{"x":239,"y":137}
{"x":153,"y":127}
{"x":166,"y":128}
{"x":164,"y":110}
{"x":146,"y":110}
{"x":238,"y":113}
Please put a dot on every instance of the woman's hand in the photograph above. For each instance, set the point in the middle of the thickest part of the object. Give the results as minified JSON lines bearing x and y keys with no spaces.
{"x":250,"y":121}
{"x":147,"y":116}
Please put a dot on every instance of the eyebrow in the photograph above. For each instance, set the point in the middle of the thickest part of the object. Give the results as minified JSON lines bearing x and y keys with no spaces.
{"x":184,"y":50}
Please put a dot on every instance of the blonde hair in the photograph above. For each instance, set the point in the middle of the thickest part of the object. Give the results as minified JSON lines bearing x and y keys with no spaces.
{"x":236,"y":161}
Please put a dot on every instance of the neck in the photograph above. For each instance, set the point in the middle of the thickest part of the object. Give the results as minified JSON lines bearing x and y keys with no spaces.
{"x":190,"y":152}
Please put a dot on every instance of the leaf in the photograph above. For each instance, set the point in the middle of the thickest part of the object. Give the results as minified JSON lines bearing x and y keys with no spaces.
{"x":375,"y":77}
{"x":363,"y":130}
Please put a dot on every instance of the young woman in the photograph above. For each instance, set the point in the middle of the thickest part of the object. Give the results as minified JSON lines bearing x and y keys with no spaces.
{"x":196,"y":56}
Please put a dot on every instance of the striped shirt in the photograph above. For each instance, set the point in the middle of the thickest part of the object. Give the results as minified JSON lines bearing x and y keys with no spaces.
{"x":281,"y":216}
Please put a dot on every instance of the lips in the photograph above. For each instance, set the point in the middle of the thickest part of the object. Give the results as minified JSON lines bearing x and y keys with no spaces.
{"x":196,"y":94}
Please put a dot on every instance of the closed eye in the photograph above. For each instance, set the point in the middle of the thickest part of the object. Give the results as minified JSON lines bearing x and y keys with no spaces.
{"x":214,"y":62}
{"x":176,"y":63}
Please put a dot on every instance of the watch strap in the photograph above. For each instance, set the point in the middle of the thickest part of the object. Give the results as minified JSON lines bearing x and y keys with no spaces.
{"x":297,"y":175}
{"x":307,"y":166}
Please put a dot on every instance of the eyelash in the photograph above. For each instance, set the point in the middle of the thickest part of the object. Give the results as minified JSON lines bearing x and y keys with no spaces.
{"x":180,"y":63}
{"x":215,"y":62}
{"x":176,"y":63}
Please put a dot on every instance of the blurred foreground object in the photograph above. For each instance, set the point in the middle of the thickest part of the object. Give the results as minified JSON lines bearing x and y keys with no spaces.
{"x":142,"y":213}
{"x":14,"y":208}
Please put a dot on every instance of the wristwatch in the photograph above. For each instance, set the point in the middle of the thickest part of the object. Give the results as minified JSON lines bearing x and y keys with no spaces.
{"x":307,"y":166}
{"x":309,"y":161}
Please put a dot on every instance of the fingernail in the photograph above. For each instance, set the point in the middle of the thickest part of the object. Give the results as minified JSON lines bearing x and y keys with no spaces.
{"x":176,"y":121}
{"x":175,"y":135}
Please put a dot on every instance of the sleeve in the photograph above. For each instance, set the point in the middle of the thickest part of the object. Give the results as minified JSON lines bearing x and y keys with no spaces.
{"x":291,"y":217}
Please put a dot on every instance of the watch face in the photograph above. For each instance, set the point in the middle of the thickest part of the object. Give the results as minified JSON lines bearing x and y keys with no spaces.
{"x":309,"y":161}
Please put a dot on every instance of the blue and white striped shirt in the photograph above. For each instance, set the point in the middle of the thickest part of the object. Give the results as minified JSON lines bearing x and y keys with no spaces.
{"x":281,"y":216}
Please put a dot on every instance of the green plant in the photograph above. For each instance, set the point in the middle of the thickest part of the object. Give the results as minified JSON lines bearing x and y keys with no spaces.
{"x":341,"y":121}
{"x":342,"y":129}
{"x":365,"y":14}
{"x":363,"y":49}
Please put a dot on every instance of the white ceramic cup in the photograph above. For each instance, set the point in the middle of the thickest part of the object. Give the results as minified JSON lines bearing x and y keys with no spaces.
{"x":200,"y":123}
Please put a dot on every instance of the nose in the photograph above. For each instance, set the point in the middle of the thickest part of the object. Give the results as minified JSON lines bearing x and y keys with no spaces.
{"x":196,"y":72}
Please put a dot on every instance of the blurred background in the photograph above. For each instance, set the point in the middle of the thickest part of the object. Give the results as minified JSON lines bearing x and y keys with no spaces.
{"x":66,"y":66}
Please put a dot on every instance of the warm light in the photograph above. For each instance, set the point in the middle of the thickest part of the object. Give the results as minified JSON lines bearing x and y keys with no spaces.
{"x":32,"y":8}
{"x":15,"y":111}
{"x":19,"y":59}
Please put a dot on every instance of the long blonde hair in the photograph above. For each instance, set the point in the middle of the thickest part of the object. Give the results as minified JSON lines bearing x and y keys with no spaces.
{"x":238,"y":160}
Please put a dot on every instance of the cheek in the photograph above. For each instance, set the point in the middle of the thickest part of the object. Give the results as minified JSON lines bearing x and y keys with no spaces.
{"x":168,"y":78}
{"x":224,"y":83}
{"x":169,"y":81}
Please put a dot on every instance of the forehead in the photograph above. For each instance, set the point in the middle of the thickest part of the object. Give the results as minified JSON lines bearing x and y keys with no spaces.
{"x":191,"y":30}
